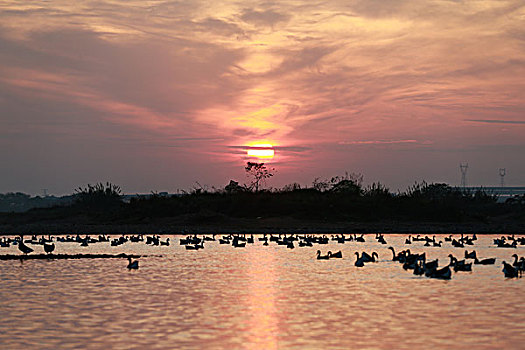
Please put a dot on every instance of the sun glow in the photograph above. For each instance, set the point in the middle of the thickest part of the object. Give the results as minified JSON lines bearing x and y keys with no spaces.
{"x":261,"y":151}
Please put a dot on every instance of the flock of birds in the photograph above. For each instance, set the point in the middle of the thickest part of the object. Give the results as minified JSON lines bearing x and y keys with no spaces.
{"x":415,"y":262}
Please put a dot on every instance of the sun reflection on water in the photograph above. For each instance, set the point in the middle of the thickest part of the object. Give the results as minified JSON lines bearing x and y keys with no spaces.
{"x":263,"y":324}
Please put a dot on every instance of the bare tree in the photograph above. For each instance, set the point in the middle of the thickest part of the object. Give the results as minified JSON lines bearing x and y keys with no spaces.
{"x":259,"y":173}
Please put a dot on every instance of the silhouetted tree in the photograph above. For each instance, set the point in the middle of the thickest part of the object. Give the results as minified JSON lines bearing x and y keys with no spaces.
{"x":349,"y":183}
{"x":99,"y":195}
{"x":234,"y":187}
{"x":259,"y":173}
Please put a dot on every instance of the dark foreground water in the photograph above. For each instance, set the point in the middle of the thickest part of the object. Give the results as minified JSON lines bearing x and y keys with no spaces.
{"x":258,"y":298}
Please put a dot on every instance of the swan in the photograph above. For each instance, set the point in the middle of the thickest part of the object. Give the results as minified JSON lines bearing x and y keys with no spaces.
{"x":463,"y":267}
{"x":515,"y":256}
{"x":445,"y":273}
{"x":322,"y":257}
{"x":394,"y":256}
{"x":338,"y":255}
{"x":488,"y":261}
{"x":359,"y":262}
{"x":360,"y":239}
{"x":471,"y":255}
{"x":369,"y":258}
{"x":509,"y":270}
{"x":133,"y":264}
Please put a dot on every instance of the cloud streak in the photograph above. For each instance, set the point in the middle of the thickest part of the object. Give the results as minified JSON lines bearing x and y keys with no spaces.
{"x":496,"y":121}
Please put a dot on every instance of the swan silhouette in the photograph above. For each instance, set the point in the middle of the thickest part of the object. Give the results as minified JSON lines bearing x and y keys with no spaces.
{"x":444,"y":273}
{"x":509,"y":270}
{"x":322,"y":257}
{"x":369,"y":258}
{"x":471,"y":255}
{"x":133,"y":264}
{"x":338,"y":255}
{"x":359,"y":261}
{"x":488,"y":261}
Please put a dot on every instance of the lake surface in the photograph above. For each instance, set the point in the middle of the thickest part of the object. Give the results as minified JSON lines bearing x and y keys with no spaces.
{"x":258,"y":297}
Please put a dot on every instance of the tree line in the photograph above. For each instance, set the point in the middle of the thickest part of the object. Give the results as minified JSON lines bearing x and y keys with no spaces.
{"x":340,"y":198}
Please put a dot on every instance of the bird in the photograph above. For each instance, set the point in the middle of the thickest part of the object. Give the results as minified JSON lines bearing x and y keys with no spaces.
{"x":515,"y":256}
{"x":133,"y":264}
{"x":359,"y":239}
{"x":22,"y":247}
{"x":463,"y":267}
{"x":488,"y":261}
{"x":322,"y":257}
{"x":471,"y":255}
{"x":369,"y":258}
{"x":337,"y":255}
{"x":509,"y":270}
{"x":395,"y":257}
{"x":359,"y":262}
{"x":48,"y":248}
{"x":444,"y":273}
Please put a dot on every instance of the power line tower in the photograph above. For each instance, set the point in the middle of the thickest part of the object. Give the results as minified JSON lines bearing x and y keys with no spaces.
{"x":463,"y":167}
{"x":502,"y":173}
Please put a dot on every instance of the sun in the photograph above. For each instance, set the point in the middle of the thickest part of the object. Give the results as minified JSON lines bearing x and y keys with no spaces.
{"x":261,"y":151}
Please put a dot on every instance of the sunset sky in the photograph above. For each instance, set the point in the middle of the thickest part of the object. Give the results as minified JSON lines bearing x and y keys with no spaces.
{"x":159,"y":95}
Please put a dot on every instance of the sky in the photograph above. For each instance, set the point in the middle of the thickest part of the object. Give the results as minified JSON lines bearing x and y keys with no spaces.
{"x":169,"y":95}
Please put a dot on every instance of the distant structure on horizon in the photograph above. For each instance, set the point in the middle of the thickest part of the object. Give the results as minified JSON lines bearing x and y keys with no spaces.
{"x":463,"y":167}
{"x":502,"y":173}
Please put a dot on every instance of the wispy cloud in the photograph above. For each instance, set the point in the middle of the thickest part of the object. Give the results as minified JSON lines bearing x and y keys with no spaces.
{"x":496,"y":121}
{"x":377,"y":142}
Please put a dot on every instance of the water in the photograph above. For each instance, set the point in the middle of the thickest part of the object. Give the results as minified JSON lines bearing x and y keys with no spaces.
{"x":258,"y":298}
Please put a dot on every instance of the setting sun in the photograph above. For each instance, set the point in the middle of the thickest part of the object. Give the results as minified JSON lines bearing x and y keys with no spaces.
{"x":265,"y":151}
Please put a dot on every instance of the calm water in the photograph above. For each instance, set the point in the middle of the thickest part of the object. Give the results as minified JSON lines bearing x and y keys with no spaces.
{"x":258,"y":298}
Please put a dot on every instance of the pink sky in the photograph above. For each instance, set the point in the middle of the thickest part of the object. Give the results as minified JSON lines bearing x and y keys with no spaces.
{"x":159,"y":95}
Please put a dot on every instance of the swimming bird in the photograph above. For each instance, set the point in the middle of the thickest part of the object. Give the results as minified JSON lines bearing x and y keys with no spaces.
{"x":488,"y":261}
{"x":48,"y":248}
{"x":337,"y":255}
{"x":133,"y":264}
{"x":463,"y":267}
{"x":515,"y":256}
{"x":369,"y":258}
{"x":22,"y":247}
{"x":359,"y":262}
{"x":509,"y":270}
{"x":394,"y":256}
{"x":322,"y":257}
{"x":444,"y":273}
{"x":471,"y":255}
